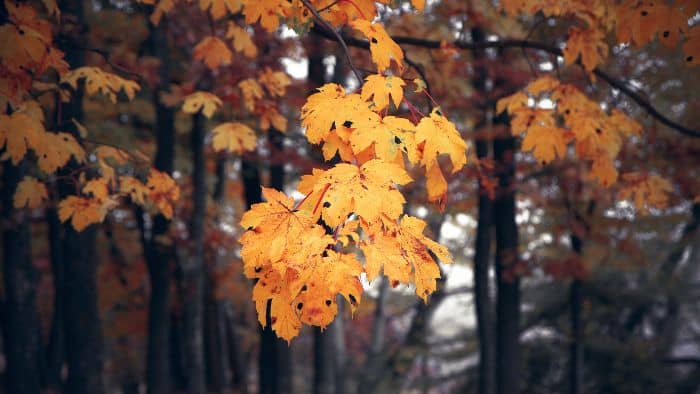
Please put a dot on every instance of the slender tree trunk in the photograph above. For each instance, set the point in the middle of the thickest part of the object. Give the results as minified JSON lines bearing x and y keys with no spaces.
{"x":576,"y":346}
{"x":482,"y":293}
{"x":324,"y":378}
{"x":192,"y":267}
{"x":508,"y":283}
{"x":56,"y":347}
{"x":237,"y":358}
{"x":159,"y":255}
{"x":218,"y":368}
{"x":483,"y":242}
{"x":19,"y":318}
{"x":81,"y":318}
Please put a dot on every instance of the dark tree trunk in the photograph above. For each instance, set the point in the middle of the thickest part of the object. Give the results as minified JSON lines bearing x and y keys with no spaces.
{"x":482,"y":245}
{"x":508,"y":282}
{"x":81,"y":318}
{"x":21,"y":331}
{"x":56,"y":347}
{"x":237,"y":359}
{"x":159,"y":255}
{"x":482,"y":293}
{"x":576,"y":346}
{"x":192,"y":267}
{"x":324,"y":377}
{"x":216,"y":338}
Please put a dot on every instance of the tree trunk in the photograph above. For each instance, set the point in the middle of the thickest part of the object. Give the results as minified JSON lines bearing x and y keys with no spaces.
{"x":159,"y":255}
{"x":20,"y":320}
{"x":324,"y":377}
{"x":216,"y":338}
{"x":56,"y":348}
{"x":192,"y":267}
{"x":482,"y":293}
{"x":508,"y":282}
{"x":482,"y":244}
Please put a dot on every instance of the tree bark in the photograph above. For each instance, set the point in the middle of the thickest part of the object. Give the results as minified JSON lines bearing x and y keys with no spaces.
{"x":21,"y":330}
{"x":482,"y":293}
{"x":56,"y":348}
{"x":508,"y":282}
{"x":159,"y":255}
{"x":482,"y":244}
{"x":192,"y":267}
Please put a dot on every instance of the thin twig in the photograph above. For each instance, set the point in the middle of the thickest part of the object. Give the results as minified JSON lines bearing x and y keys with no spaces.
{"x":338,"y":38}
{"x":620,"y":85}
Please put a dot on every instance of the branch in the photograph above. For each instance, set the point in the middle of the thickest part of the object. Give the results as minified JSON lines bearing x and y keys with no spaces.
{"x":622,"y":86}
{"x":337,"y":37}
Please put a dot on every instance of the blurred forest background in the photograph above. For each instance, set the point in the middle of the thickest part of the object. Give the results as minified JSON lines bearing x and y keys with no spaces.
{"x":601,"y":295}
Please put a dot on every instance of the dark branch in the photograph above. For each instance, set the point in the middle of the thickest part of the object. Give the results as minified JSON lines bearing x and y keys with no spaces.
{"x":622,"y":86}
{"x":336,"y":37}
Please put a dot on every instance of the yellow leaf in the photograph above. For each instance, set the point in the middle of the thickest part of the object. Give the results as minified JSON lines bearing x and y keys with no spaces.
{"x":382,"y":48}
{"x":83,"y":211}
{"x":268,"y":12}
{"x":207,"y":102}
{"x":335,"y":273}
{"x":589,"y":44}
{"x":440,"y":136}
{"x":54,"y":150}
{"x":100,"y":81}
{"x":389,"y":135}
{"x":269,"y":116}
{"x":275,"y":82}
{"x":213,"y":52}
{"x":646,"y":191}
{"x":234,"y":137}
{"x":512,"y":103}
{"x":542,"y":84}
{"x":18,"y":133}
{"x":98,"y":188}
{"x":30,"y":193}
{"x":218,"y":8}
{"x":546,"y":143}
{"x":367,"y":191}
{"x":435,"y":183}
{"x":603,"y":170}
{"x":252,"y":91}
{"x":132,"y":187}
{"x":402,"y":251}
{"x":380,"y":88}
{"x":163,"y":192}
{"x":242,"y":42}
{"x":329,"y":109}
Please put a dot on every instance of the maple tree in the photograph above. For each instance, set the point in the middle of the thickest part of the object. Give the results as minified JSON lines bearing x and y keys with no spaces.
{"x":396,"y":133}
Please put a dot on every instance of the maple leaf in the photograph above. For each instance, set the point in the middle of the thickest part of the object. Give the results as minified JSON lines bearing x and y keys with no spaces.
{"x":389,"y":135}
{"x":218,"y":8}
{"x":546,"y":142}
{"x":100,"y":81}
{"x":234,"y":137}
{"x":98,"y":188}
{"x":30,"y":193}
{"x":275,"y":289}
{"x":367,"y":191}
{"x":589,"y":44}
{"x":83,"y":211}
{"x":647,"y":191}
{"x":330,"y":108}
{"x":335,"y":273}
{"x":252,"y":91}
{"x":275,"y":82}
{"x":207,"y":102}
{"x":19,"y":132}
{"x":403,"y":252}
{"x":382,"y":48}
{"x":440,"y":136}
{"x":137,"y":191}
{"x":213,"y":52}
{"x":512,"y":103}
{"x":542,"y":84}
{"x":380,"y":88}
{"x":435,"y":182}
{"x":268,"y":12}
{"x":163,"y":192}
{"x":603,"y":170}
{"x":54,"y":150}
{"x":269,"y":116}
{"x":242,"y":42}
